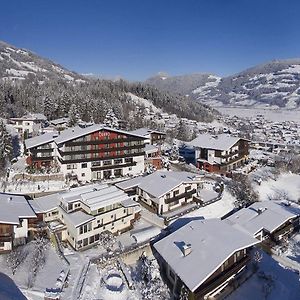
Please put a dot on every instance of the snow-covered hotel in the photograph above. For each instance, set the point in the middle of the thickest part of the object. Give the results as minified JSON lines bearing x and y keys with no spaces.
{"x":209,"y":258}
{"x":16,"y":217}
{"x":90,"y":153}
{"x":219,"y":153}
{"x":88,"y":211}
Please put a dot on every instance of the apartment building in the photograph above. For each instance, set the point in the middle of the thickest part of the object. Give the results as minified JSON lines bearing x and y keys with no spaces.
{"x":90,"y":153}
{"x":220,"y":153}
{"x":163,"y":192}
{"x":88,"y":211}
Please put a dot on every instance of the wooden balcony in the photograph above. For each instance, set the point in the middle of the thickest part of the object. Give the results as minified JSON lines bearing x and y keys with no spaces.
{"x":221,"y":278}
{"x":188,"y":194}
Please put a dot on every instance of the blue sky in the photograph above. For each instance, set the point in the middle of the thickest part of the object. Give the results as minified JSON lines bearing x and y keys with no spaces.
{"x":138,"y":38}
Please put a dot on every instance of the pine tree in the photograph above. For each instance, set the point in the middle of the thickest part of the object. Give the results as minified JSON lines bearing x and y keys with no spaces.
{"x":184,"y":293}
{"x":183,"y":132}
{"x":73,"y":115}
{"x":111,"y":120}
{"x":6,"y":147}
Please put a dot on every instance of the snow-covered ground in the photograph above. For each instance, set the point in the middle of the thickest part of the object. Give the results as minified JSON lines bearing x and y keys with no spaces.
{"x":215,"y":210}
{"x":272,"y":281}
{"x":46,"y":276}
{"x":285,"y":186}
{"x":269,"y":114}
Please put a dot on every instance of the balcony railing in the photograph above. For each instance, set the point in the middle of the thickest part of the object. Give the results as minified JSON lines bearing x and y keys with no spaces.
{"x":109,"y":167}
{"x":217,"y":281}
{"x":188,"y":194}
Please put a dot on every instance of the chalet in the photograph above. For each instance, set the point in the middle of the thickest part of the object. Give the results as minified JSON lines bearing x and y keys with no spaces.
{"x":29,"y":125}
{"x":60,"y":124}
{"x":90,"y":153}
{"x":16,"y":216}
{"x":153,"y":137}
{"x":207,"y":257}
{"x":88,"y":211}
{"x":267,"y":220}
{"x":220,"y":153}
{"x":41,"y":150}
{"x":163,"y":192}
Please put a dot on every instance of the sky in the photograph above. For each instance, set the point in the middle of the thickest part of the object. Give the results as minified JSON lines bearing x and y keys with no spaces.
{"x":136,"y":39}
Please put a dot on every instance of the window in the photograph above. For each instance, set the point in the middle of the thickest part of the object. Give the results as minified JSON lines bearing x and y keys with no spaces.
{"x":176,"y":193}
{"x":106,"y":162}
{"x":168,"y":196}
{"x":118,"y":161}
{"x":82,"y":174}
{"x":128,"y":160}
{"x":84,"y":166}
{"x":100,"y":210}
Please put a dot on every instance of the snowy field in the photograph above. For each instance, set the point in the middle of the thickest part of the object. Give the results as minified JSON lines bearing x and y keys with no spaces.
{"x":269,"y":114}
{"x":272,"y":281}
{"x":215,"y":210}
{"x":285,"y":186}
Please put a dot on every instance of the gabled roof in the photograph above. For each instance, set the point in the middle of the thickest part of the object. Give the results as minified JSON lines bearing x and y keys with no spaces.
{"x":212,"y":242}
{"x":77,"y":132}
{"x":267,"y":215}
{"x":158,"y":183}
{"x":41,"y":139}
{"x":13,"y":208}
{"x":215,"y":142}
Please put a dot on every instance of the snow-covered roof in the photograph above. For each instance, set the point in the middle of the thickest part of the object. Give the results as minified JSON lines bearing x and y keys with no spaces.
{"x":268,"y":215}
{"x":31,"y":117}
{"x":95,"y":196}
{"x":212,"y":242}
{"x":150,"y":148}
{"x":78,"y":218}
{"x":77,"y":132}
{"x":216,"y":142}
{"x":41,"y":139}
{"x":129,"y":183}
{"x":145,"y":131}
{"x":13,"y":208}
{"x":161,"y":182}
{"x":146,"y":234}
{"x":59,"y":121}
{"x":47,"y":203}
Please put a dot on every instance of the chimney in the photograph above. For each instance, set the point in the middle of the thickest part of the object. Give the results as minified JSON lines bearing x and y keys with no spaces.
{"x":261,"y":210}
{"x":186,"y":249}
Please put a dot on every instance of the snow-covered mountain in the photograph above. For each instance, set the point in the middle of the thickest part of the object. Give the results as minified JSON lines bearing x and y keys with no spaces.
{"x":20,"y":64}
{"x":275,"y":84}
{"x":183,"y":85}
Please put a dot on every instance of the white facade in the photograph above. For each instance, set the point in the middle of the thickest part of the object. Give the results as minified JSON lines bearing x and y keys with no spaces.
{"x":164,"y":203}
{"x":90,"y":210}
{"x":97,"y":170}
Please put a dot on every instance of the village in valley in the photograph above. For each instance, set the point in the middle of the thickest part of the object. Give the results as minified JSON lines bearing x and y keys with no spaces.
{"x":95,"y":211}
{"x":149,"y":150}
